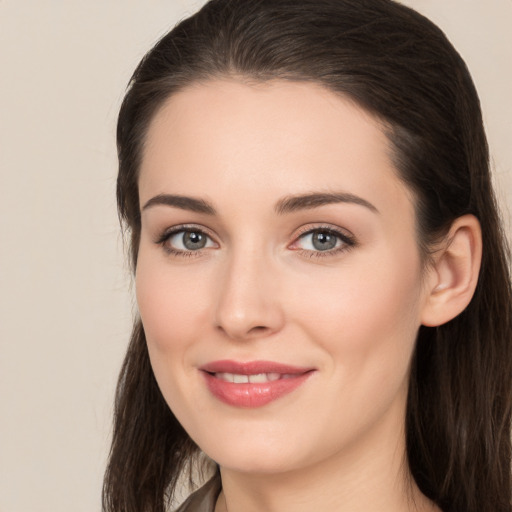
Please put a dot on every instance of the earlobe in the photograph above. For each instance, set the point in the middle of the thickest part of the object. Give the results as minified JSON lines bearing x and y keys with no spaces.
{"x":454,"y":275}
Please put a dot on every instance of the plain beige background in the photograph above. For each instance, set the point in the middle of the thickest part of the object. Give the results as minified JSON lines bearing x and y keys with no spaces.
{"x":65,"y":298}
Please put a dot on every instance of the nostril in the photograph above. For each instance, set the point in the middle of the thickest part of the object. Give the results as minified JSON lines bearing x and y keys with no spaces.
{"x":258,"y":329}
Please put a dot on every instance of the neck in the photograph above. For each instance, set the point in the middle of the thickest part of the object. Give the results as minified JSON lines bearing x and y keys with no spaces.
{"x":371,"y":475}
{"x":357,"y":492}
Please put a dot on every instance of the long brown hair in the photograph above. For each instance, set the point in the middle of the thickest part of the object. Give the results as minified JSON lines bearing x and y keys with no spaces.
{"x":401,"y":68}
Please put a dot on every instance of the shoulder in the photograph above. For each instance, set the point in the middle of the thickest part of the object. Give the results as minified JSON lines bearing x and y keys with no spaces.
{"x":204,"y":499}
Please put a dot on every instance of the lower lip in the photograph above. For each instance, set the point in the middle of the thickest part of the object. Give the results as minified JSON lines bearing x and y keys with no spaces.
{"x":252,"y":395}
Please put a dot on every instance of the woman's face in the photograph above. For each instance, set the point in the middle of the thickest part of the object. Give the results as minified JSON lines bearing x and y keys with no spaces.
{"x":278,"y":279}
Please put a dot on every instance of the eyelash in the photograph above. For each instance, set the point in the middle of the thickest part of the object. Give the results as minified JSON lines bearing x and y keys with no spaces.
{"x":185,"y":228}
{"x":348,"y":242}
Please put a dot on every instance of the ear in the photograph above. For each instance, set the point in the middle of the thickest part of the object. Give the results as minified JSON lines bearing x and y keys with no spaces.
{"x":453,"y":277}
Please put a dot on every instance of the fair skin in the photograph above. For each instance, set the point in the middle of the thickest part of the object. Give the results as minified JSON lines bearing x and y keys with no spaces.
{"x":255,"y":272}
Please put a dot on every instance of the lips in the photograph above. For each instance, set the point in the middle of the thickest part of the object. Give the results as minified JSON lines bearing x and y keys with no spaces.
{"x":252,"y":384}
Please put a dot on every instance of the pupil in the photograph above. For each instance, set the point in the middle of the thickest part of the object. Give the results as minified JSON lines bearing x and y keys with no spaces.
{"x":324,"y":241}
{"x":193,"y":240}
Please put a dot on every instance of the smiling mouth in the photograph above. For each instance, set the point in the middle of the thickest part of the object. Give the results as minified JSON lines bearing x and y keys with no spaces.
{"x":257,"y":378}
{"x":253,"y":384}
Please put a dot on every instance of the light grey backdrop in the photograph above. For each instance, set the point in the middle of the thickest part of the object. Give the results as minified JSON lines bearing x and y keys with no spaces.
{"x":65,"y":299}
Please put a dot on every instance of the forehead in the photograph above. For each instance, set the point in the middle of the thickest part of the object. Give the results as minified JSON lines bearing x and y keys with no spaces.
{"x":266,"y":139}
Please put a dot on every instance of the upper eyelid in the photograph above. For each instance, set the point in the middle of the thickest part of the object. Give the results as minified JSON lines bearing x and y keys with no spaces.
{"x":310,"y":228}
{"x":344,"y":233}
{"x":168,"y":232}
{"x":163,"y":240}
{"x":348,"y":240}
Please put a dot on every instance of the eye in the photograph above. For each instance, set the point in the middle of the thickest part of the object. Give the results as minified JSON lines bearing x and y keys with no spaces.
{"x":185,"y":241}
{"x":319,"y":241}
{"x":323,"y":240}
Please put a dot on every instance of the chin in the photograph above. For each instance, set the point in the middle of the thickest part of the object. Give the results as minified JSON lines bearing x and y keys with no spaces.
{"x":261,"y":455}
{"x":261,"y":464}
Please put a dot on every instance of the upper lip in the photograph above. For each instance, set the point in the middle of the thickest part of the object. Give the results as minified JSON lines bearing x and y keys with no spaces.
{"x":253,"y":367}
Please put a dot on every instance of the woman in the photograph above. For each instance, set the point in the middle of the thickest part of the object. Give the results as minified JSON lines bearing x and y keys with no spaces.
{"x":321,"y":275}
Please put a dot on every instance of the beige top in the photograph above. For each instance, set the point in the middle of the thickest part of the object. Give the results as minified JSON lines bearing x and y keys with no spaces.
{"x":204,"y":499}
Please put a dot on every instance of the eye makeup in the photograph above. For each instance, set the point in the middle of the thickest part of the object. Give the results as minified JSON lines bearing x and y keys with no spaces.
{"x":189,"y":240}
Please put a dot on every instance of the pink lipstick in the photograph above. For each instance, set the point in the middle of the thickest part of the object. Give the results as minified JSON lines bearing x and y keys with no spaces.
{"x":252,"y":384}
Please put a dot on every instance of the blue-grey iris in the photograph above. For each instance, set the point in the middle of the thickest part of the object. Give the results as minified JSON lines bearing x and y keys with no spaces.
{"x":323,"y":240}
{"x":194,"y":240}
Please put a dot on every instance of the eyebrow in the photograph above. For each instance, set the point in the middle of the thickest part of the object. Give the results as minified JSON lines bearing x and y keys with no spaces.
{"x":183,"y":202}
{"x":286,"y":205}
{"x":315,"y":200}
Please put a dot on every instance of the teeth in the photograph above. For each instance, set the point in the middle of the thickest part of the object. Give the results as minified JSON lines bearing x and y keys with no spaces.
{"x":258,"y":378}
{"x":228,"y":377}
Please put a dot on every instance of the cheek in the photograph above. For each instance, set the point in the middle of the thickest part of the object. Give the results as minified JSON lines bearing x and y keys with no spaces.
{"x":171,"y":313}
{"x":367,"y":311}
{"x":170,"y":305}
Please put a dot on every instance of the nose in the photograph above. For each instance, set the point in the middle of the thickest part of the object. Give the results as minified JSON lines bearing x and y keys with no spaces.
{"x":248,"y":306}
